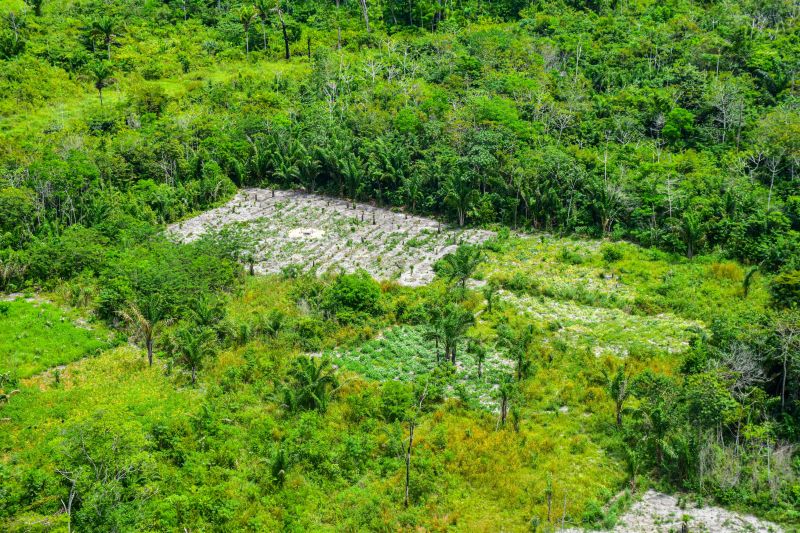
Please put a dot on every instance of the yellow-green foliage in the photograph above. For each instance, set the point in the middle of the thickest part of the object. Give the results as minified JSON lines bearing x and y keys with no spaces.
{"x":466,"y":471}
{"x":642,"y":281}
{"x":231,"y":453}
{"x":115,"y":391}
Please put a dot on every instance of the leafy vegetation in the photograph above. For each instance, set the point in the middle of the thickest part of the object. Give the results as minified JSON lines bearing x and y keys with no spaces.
{"x":542,"y":379}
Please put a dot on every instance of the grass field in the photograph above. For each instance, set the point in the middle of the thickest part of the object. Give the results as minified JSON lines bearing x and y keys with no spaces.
{"x":36,"y":335}
{"x":622,"y":276}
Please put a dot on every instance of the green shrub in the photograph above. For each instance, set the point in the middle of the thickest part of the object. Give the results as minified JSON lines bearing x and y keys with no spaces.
{"x":611,"y":253}
{"x":570,"y":257}
{"x":785,"y":289}
{"x":518,"y":282}
{"x":352,"y":296}
{"x":396,"y":398}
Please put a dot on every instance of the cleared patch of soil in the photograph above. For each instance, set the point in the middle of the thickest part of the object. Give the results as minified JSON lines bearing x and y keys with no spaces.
{"x":657,"y":512}
{"x":317,"y":232}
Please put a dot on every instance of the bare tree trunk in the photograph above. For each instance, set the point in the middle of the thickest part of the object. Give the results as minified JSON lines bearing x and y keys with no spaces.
{"x":365,"y":11}
{"x":408,"y":458}
{"x":68,"y":506}
{"x":783,"y":382}
{"x":285,"y":35}
{"x":338,"y":28}
{"x":149,"y":343}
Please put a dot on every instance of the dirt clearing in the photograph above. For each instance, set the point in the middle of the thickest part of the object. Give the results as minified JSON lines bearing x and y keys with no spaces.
{"x":661,"y":513}
{"x":317,"y":232}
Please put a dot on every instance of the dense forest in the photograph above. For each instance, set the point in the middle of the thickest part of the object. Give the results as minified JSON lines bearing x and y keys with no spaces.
{"x":632,"y":322}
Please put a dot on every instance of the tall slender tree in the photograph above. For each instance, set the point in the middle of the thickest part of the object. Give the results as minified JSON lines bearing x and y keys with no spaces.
{"x":263,"y":8}
{"x":101,"y":73}
{"x":146,"y":315}
{"x":247,"y":13}
{"x":365,"y":13}
{"x":282,"y":20}
{"x":104,"y":29}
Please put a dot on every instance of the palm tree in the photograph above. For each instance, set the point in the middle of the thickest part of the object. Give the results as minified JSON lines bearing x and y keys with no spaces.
{"x":285,"y":168}
{"x":618,"y":390}
{"x":505,"y":392}
{"x":313,"y":384}
{"x":263,"y":7}
{"x":459,"y":193}
{"x":101,"y":72}
{"x":412,"y":189}
{"x":145,"y":316}
{"x":352,"y":169}
{"x":387,"y":165}
{"x":476,"y":348}
{"x":104,"y":28}
{"x":433,"y":328}
{"x":517,"y":344}
{"x":609,"y":202}
{"x":194,"y":344}
{"x":209,"y":313}
{"x":490,"y":293}
{"x":461,"y":265}
{"x":691,"y":232}
{"x":308,"y":170}
{"x":455,"y":322}
{"x":247,"y":14}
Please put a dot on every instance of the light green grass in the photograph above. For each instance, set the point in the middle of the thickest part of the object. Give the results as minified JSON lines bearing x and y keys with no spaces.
{"x":37,"y":335}
{"x":643,"y":281}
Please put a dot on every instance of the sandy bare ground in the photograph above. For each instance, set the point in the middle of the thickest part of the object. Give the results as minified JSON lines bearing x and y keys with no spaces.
{"x":660,"y":513}
{"x":317,"y":232}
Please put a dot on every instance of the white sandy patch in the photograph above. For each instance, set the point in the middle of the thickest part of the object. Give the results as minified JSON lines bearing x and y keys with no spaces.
{"x":660,"y":513}
{"x":306,"y":233}
{"x":313,"y":231}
